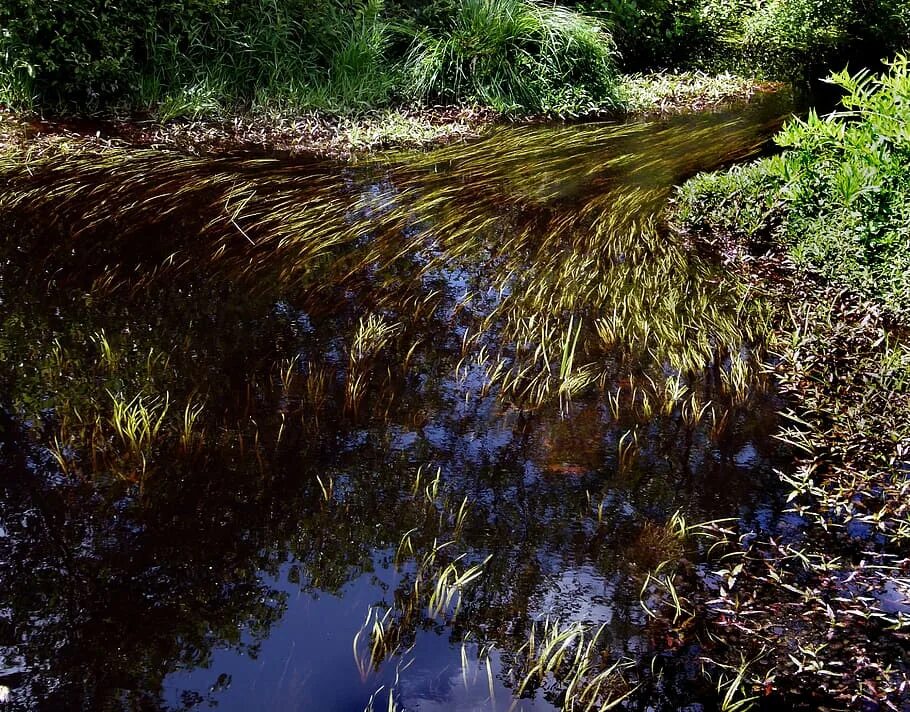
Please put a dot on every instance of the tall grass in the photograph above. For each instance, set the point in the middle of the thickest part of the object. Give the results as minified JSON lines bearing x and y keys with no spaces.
{"x":180,"y":57}
{"x":513,"y":54}
{"x":282,"y":55}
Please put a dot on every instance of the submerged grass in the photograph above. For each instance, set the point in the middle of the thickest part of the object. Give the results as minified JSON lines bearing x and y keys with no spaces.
{"x":538,"y":260}
{"x":569,"y":300}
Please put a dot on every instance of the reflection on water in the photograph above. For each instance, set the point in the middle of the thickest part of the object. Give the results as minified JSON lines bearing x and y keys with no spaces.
{"x":291,"y":435}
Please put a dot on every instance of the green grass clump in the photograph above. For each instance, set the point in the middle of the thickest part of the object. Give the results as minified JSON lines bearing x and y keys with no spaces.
{"x":513,"y":54}
{"x":839,"y":195}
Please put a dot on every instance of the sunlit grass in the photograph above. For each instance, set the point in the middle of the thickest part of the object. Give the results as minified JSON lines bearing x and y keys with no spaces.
{"x":595,"y":297}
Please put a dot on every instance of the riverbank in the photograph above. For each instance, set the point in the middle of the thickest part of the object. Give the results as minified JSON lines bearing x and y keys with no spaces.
{"x":810,"y":606}
{"x":348,"y":137}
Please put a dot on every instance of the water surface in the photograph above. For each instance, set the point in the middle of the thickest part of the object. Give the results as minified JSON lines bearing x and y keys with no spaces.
{"x":253,"y":405}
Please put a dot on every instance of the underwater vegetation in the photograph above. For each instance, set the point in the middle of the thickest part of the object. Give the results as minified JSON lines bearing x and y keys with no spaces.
{"x":469,"y":381}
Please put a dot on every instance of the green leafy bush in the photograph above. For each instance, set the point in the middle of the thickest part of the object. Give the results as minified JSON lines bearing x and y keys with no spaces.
{"x":192,"y":56}
{"x":838,"y":196}
{"x":795,"y":39}
{"x":513,"y":54}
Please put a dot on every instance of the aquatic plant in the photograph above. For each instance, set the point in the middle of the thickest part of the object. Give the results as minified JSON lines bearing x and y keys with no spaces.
{"x":835,"y":200}
{"x":572,"y":654}
{"x":594,"y":297}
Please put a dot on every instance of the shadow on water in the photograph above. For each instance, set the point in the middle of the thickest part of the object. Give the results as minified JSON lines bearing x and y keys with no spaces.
{"x":293,"y":435}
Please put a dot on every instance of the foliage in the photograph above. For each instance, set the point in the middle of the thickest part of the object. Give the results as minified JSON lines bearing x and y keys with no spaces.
{"x":193,"y":56}
{"x":653,"y":34}
{"x":796,"y":39}
{"x":788,"y":39}
{"x":838,"y":197}
{"x":513,"y":54}
{"x":177,"y":57}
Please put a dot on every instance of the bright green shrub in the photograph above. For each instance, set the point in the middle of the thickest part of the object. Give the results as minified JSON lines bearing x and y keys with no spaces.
{"x":839,"y":195}
{"x":513,"y":54}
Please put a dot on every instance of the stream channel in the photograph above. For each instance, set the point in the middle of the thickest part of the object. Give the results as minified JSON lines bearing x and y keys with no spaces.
{"x":285,"y":434}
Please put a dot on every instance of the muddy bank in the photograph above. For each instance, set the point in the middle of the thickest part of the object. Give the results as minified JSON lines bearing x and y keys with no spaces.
{"x":347,"y":138}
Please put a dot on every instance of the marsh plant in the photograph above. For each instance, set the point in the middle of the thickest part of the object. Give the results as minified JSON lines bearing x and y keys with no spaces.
{"x":830,"y":215}
{"x":512,"y":54}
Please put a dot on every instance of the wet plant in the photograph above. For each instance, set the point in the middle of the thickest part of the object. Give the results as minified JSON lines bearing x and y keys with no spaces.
{"x":573,"y":654}
{"x":257,"y":287}
{"x":138,"y":421}
{"x":595,"y":298}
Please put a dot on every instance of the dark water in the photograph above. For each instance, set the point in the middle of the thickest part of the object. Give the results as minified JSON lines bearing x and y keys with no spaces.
{"x":250,"y":404}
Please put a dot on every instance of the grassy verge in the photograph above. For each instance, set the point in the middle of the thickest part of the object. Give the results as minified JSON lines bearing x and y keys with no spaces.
{"x":345,"y":137}
{"x":814,"y":608}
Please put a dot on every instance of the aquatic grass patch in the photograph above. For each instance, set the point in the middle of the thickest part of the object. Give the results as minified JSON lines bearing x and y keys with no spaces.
{"x":596,"y":297}
{"x":267,"y":285}
{"x":440,"y":584}
{"x":514,"y":54}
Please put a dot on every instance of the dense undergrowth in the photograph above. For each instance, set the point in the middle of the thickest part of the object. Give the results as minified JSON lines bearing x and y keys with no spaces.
{"x":833,"y":570}
{"x":839,"y":195}
{"x":210,"y":57}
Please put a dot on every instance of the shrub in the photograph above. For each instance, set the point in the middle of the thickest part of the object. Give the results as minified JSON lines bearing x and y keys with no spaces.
{"x":839,"y":195}
{"x":192,"y":56}
{"x":513,"y":54}
{"x":82,"y":51}
{"x":797,"y":39}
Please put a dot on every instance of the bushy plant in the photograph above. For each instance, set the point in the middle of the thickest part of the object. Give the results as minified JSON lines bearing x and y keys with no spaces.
{"x":192,"y":56}
{"x":513,"y":54}
{"x":797,"y":39}
{"x":83,"y":50}
{"x":838,"y":196}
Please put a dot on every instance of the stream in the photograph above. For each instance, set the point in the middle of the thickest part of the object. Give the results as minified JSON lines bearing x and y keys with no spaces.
{"x":283,"y":434}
